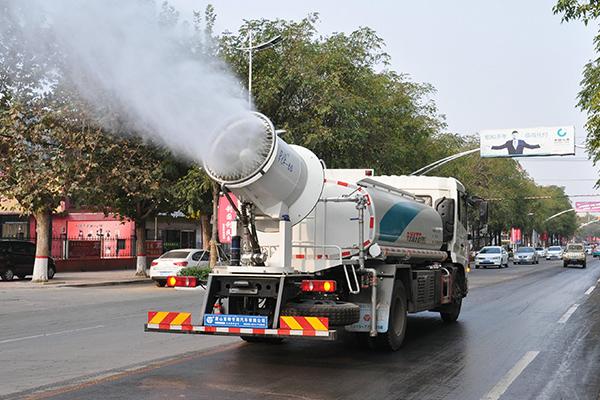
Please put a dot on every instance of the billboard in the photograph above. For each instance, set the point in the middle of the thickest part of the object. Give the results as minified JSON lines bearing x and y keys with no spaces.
{"x":528,"y":142}
{"x":587,"y":206}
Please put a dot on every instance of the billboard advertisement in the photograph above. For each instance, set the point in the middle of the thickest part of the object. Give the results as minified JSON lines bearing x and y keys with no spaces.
{"x":587,"y":206}
{"x":528,"y":142}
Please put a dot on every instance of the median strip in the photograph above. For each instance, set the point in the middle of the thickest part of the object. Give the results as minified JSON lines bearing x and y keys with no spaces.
{"x":510,"y":376}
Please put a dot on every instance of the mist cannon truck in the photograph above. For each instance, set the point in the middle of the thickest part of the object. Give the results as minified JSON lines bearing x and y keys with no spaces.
{"x":318,"y":251}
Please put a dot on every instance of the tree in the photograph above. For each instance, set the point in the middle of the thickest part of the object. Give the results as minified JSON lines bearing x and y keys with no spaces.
{"x":331,"y":96}
{"x":588,"y":98}
{"x":144,"y":177}
{"x":49,"y":153}
{"x":193,"y":194}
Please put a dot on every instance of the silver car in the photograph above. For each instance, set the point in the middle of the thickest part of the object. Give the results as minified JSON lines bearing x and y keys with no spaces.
{"x":526,"y":255}
{"x":554,"y":253}
{"x":491,"y":256}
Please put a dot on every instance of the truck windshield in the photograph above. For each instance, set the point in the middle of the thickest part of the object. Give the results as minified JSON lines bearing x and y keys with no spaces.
{"x":575,"y":247}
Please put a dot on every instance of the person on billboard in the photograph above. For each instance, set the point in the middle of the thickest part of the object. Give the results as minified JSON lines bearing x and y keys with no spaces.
{"x":515,"y":146}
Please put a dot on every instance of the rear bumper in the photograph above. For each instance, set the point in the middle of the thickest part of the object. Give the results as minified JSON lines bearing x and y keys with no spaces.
{"x":210,"y":330}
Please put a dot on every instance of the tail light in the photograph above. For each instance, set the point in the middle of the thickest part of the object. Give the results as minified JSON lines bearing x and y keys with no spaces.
{"x":182,"y":281}
{"x":181,"y":263}
{"x":318,"y":286}
{"x":154,"y":263}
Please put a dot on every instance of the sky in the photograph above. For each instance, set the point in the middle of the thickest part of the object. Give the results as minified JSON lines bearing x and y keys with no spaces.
{"x":494,"y":64}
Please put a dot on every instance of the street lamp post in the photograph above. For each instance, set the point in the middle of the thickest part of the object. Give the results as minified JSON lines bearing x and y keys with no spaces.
{"x":442,"y":161}
{"x":251,"y":49}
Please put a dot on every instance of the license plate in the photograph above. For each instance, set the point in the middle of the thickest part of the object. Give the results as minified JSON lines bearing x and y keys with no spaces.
{"x":236,"y":321}
{"x":486,"y":262}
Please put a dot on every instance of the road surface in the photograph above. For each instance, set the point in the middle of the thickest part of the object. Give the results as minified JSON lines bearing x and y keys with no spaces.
{"x":526,"y":332}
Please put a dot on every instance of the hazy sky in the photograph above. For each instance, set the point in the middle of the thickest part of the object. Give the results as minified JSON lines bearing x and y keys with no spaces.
{"x":495,"y":64}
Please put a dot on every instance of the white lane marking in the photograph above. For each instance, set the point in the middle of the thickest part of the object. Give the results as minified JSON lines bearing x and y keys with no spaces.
{"x":50,"y":334}
{"x":510,"y":376}
{"x":568,"y":314}
{"x":590,"y":290}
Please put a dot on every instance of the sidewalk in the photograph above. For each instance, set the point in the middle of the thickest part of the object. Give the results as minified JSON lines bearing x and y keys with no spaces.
{"x":80,"y":279}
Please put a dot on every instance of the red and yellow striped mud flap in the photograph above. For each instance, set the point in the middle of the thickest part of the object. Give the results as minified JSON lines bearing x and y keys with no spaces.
{"x":175,"y":322}
{"x":170,"y":320}
{"x":304,"y":323}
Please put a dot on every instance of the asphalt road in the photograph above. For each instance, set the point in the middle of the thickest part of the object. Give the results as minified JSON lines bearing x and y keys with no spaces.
{"x":526,"y":332}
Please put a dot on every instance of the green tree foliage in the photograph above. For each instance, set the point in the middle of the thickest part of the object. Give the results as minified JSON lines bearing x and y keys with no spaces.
{"x":589,"y":95}
{"x":336,"y":95}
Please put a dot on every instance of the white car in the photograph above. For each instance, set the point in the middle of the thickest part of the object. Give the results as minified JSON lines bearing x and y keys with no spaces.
{"x":491,"y":256}
{"x":173,"y":261}
{"x":541,"y":252}
{"x":554,"y":253}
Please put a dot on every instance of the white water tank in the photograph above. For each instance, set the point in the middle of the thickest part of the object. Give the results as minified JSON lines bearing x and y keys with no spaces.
{"x":282,"y":180}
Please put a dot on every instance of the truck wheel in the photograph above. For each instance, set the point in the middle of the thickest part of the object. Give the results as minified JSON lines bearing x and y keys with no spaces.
{"x":584,"y":265}
{"x":565,"y":265}
{"x":261,"y":339}
{"x":340,"y":313}
{"x":450,"y":312}
{"x":394,"y":337}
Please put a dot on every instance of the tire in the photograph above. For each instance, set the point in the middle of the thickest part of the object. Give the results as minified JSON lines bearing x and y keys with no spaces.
{"x":260,"y":339}
{"x":21,"y":277}
{"x":392,"y":339}
{"x":452,"y":311}
{"x":584,"y":265}
{"x":477,"y":267}
{"x":7,"y":275}
{"x":506,"y":265}
{"x":160,"y":282}
{"x":51,"y":271}
{"x":565,"y":265}
{"x":339,"y":313}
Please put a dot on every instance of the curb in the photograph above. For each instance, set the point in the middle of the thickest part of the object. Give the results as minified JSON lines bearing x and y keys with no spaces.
{"x":109,"y":283}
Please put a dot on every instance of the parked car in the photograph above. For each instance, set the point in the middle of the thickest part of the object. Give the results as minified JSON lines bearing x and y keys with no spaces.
{"x":17,"y":258}
{"x":491,"y":256}
{"x":596,"y":252}
{"x":541,"y":252}
{"x":526,"y":255}
{"x":554,"y":253}
{"x":173,"y":261}
{"x":574,"y":255}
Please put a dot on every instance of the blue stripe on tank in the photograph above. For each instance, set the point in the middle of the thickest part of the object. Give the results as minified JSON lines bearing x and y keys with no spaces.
{"x":396,"y":219}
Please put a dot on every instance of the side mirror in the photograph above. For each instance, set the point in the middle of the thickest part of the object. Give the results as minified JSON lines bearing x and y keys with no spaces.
{"x":445,"y":207}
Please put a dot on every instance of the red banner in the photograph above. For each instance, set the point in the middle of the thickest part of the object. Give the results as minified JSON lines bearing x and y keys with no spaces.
{"x":515,"y":235}
{"x":226,"y":219}
{"x":154,"y":248}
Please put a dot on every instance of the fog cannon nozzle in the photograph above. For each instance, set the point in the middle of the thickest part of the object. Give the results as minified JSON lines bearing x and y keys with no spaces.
{"x":241,"y":149}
